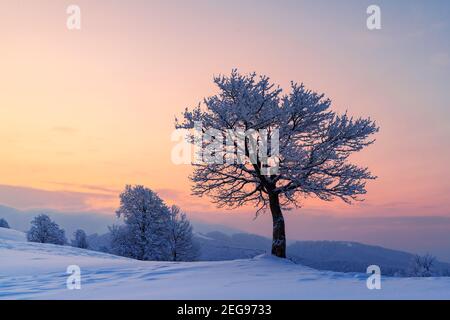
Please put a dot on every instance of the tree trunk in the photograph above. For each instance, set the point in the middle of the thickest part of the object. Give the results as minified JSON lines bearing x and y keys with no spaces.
{"x":279,"y":235}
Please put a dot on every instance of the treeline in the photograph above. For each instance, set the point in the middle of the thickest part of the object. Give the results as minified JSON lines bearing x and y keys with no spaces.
{"x":151,"y":230}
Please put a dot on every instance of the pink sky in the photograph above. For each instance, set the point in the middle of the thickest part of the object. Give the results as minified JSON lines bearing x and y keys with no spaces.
{"x":86,"y":112}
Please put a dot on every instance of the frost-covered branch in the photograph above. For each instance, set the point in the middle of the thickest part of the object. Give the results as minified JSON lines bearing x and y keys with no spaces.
{"x":314,"y":144}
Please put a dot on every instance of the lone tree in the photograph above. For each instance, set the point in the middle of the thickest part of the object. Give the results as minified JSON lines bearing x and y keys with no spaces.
{"x":423,"y":265}
{"x":314,"y":146}
{"x":144,"y":234}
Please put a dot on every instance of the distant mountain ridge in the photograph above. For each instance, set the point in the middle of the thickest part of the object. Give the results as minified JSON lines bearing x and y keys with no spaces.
{"x":341,"y":256}
{"x":70,"y":222}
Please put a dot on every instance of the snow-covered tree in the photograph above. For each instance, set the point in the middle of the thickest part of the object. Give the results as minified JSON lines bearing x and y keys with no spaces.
{"x":122,"y":242}
{"x":4,"y":223}
{"x":423,"y":265}
{"x":181,"y":242}
{"x":80,"y":239}
{"x":44,"y":230}
{"x":144,"y":235}
{"x":313,"y":154}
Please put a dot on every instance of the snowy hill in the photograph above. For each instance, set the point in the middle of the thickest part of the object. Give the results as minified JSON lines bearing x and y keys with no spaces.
{"x":218,"y":246}
{"x":341,"y":256}
{"x":38,"y":271}
{"x":10,"y":234}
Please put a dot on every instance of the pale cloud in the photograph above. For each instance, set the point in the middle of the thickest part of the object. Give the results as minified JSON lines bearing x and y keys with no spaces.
{"x":30,"y":198}
{"x":87,"y":187}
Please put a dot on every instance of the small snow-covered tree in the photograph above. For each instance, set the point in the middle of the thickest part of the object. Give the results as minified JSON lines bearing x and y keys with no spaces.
{"x":4,"y":223}
{"x":313,"y":151}
{"x":423,"y":265}
{"x":44,"y":230}
{"x":144,"y":234}
{"x":80,"y":239}
{"x":181,"y":241}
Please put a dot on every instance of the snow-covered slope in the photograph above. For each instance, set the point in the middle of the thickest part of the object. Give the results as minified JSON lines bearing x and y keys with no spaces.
{"x":340,"y":256}
{"x":38,"y":271}
{"x":10,"y":234}
{"x":344,"y":256}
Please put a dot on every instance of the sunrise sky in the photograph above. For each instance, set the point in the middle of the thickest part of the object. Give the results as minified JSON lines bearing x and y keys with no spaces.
{"x":85,"y":112}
